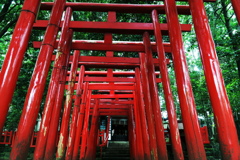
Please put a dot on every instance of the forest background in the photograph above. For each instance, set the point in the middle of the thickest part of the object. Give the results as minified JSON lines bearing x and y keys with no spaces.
{"x":225,"y":31}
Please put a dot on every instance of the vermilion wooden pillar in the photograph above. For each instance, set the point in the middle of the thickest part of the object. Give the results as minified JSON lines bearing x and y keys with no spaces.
{"x":52,"y":89}
{"x":188,"y":109}
{"x":108,"y":125}
{"x":227,"y":133}
{"x":90,"y":155}
{"x":130,"y":137}
{"x":172,"y":117}
{"x":14,"y":57}
{"x":139,"y":139}
{"x":236,"y":7}
{"x":80,"y":119}
{"x":64,"y":131}
{"x":75,"y":112}
{"x":132,"y":134}
{"x":108,"y":40}
{"x":54,"y":125}
{"x":161,"y":143}
{"x":85,"y":127}
{"x":96,"y":138}
{"x":142,"y":115}
{"x":34,"y":96}
{"x":148,"y":107}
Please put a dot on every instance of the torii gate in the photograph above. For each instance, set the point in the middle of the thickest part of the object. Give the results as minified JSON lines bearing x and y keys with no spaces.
{"x":134,"y":94}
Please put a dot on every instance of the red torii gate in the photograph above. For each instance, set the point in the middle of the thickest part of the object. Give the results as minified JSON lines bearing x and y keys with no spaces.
{"x":143,"y":80}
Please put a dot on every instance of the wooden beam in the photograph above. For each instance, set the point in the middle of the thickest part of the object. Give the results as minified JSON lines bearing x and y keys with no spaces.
{"x":117,"y":47}
{"x":120,"y":8}
{"x":112,"y":27}
{"x":113,"y":96}
{"x":110,"y":87}
{"x":108,"y":79}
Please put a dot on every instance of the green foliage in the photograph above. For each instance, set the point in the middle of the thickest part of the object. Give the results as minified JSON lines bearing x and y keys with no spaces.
{"x":9,"y":11}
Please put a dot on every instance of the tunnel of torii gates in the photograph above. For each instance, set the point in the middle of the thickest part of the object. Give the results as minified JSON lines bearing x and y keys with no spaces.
{"x":126,"y":87}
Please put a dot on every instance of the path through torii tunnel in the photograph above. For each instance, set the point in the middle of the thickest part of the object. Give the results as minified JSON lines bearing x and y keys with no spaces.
{"x":85,"y":90}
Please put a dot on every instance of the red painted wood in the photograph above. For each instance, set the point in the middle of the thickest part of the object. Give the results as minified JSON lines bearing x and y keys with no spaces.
{"x":36,"y":88}
{"x":124,"y":114}
{"x":132,"y":134}
{"x":108,"y":65}
{"x":110,"y":62}
{"x":205,"y":136}
{"x":53,"y":134}
{"x":101,"y":46}
{"x":161,"y":143}
{"x":189,"y":115}
{"x":112,"y":17}
{"x":141,"y":109}
{"x":115,"y":101}
{"x":122,"y":8}
{"x":148,"y":107}
{"x":115,"y":73}
{"x":84,"y":140}
{"x":172,"y":117}
{"x":52,"y":90}
{"x":112,"y":92}
{"x":14,"y":56}
{"x":90,"y":154}
{"x":104,"y":141}
{"x":33,"y":139}
{"x":113,"y":106}
{"x":73,"y":124}
{"x":108,"y":79}
{"x":113,"y":96}
{"x":236,"y":4}
{"x":227,"y":133}
{"x":80,"y":120}
{"x":109,"y":87}
{"x":108,"y":59}
{"x":113,"y":110}
{"x":167,"y":44}
{"x":139,"y":139}
{"x":64,"y":131}
{"x":112,"y":59}
{"x":96,"y":137}
{"x":112,"y":27}
{"x":6,"y":137}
